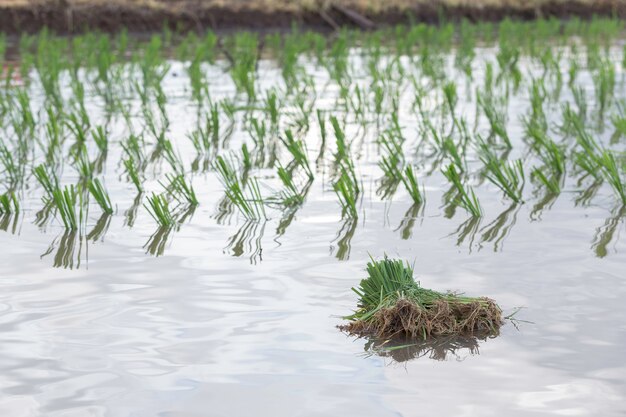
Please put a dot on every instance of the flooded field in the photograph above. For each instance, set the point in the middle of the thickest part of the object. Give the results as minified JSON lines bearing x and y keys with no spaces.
{"x":183,"y":218}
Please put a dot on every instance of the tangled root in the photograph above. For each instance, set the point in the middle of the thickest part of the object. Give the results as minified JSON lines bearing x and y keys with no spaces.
{"x":443,"y":317}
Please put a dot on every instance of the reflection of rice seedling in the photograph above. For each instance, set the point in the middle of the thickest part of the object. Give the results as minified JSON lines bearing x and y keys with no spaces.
{"x":392,"y":303}
{"x":159,"y":209}
{"x":466,"y":197}
{"x":9,"y":203}
{"x":101,"y":196}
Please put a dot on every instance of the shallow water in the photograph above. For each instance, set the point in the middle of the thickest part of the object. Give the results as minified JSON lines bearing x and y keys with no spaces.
{"x":236,"y":318}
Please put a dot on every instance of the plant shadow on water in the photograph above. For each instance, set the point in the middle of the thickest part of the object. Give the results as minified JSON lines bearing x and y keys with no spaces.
{"x":247,"y":241}
{"x":408,"y":221}
{"x":158,"y":241}
{"x":343,"y":239}
{"x":604,"y":234}
{"x":131,"y":213}
{"x":403,"y":349}
{"x":499,"y":229}
{"x":69,"y":250}
{"x":496,"y":231}
{"x":100,"y":229}
{"x":9,"y":222}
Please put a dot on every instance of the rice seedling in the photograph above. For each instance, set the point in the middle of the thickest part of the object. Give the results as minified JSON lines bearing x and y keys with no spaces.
{"x":180,"y":189}
{"x":9,"y":203}
{"x":507,"y":176}
{"x":133,"y":173}
{"x":159,"y":209}
{"x":12,"y":169}
{"x":100,"y":138}
{"x":613,"y":174}
{"x":466,"y":197}
{"x":342,"y":146}
{"x":248,"y":201}
{"x":392,"y":302}
{"x":347,"y":190}
{"x":298,"y":151}
{"x":100,"y":194}
{"x":497,"y":120}
{"x":290,"y":195}
{"x":69,"y":204}
{"x":46,"y":178}
{"x":410,"y":183}
{"x":552,"y":183}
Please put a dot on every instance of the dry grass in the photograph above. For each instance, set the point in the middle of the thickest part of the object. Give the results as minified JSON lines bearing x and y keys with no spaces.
{"x":304,"y":5}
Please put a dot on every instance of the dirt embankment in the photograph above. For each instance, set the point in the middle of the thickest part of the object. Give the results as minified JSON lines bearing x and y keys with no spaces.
{"x":65,"y":16}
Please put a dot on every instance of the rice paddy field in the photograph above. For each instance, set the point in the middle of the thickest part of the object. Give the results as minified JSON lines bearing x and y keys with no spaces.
{"x":184,"y":215}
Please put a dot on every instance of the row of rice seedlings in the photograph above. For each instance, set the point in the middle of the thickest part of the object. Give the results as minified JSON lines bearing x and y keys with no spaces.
{"x":338,"y":65}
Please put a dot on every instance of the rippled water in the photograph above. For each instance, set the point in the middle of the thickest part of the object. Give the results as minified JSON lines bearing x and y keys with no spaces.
{"x":237,"y":318}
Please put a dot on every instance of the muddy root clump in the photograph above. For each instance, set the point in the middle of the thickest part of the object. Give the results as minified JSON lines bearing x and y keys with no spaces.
{"x":392,"y":303}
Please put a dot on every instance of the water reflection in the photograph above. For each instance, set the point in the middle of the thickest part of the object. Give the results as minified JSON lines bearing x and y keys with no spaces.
{"x":69,"y":250}
{"x":100,"y":228}
{"x":343,"y":239}
{"x":403,"y":349}
{"x":499,"y":229}
{"x":585,"y":196}
{"x":409,"y":219}
{"x":546,"y":203}
{"x":157,"y":242}
{"x":248,"y":241}
{"x":131,"y":214}
{"x":467,"y":230}
{"x":606,"y":233}
{"x":9,"y":222}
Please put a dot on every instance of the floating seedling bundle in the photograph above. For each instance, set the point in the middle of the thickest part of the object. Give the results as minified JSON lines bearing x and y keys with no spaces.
{"x":392,"y":303}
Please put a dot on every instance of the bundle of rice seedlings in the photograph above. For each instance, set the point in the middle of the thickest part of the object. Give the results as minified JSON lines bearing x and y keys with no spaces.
{"x":393,"y":303}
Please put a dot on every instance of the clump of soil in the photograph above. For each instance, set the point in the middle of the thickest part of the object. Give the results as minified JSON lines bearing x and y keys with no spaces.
{"x":392,"y":303}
